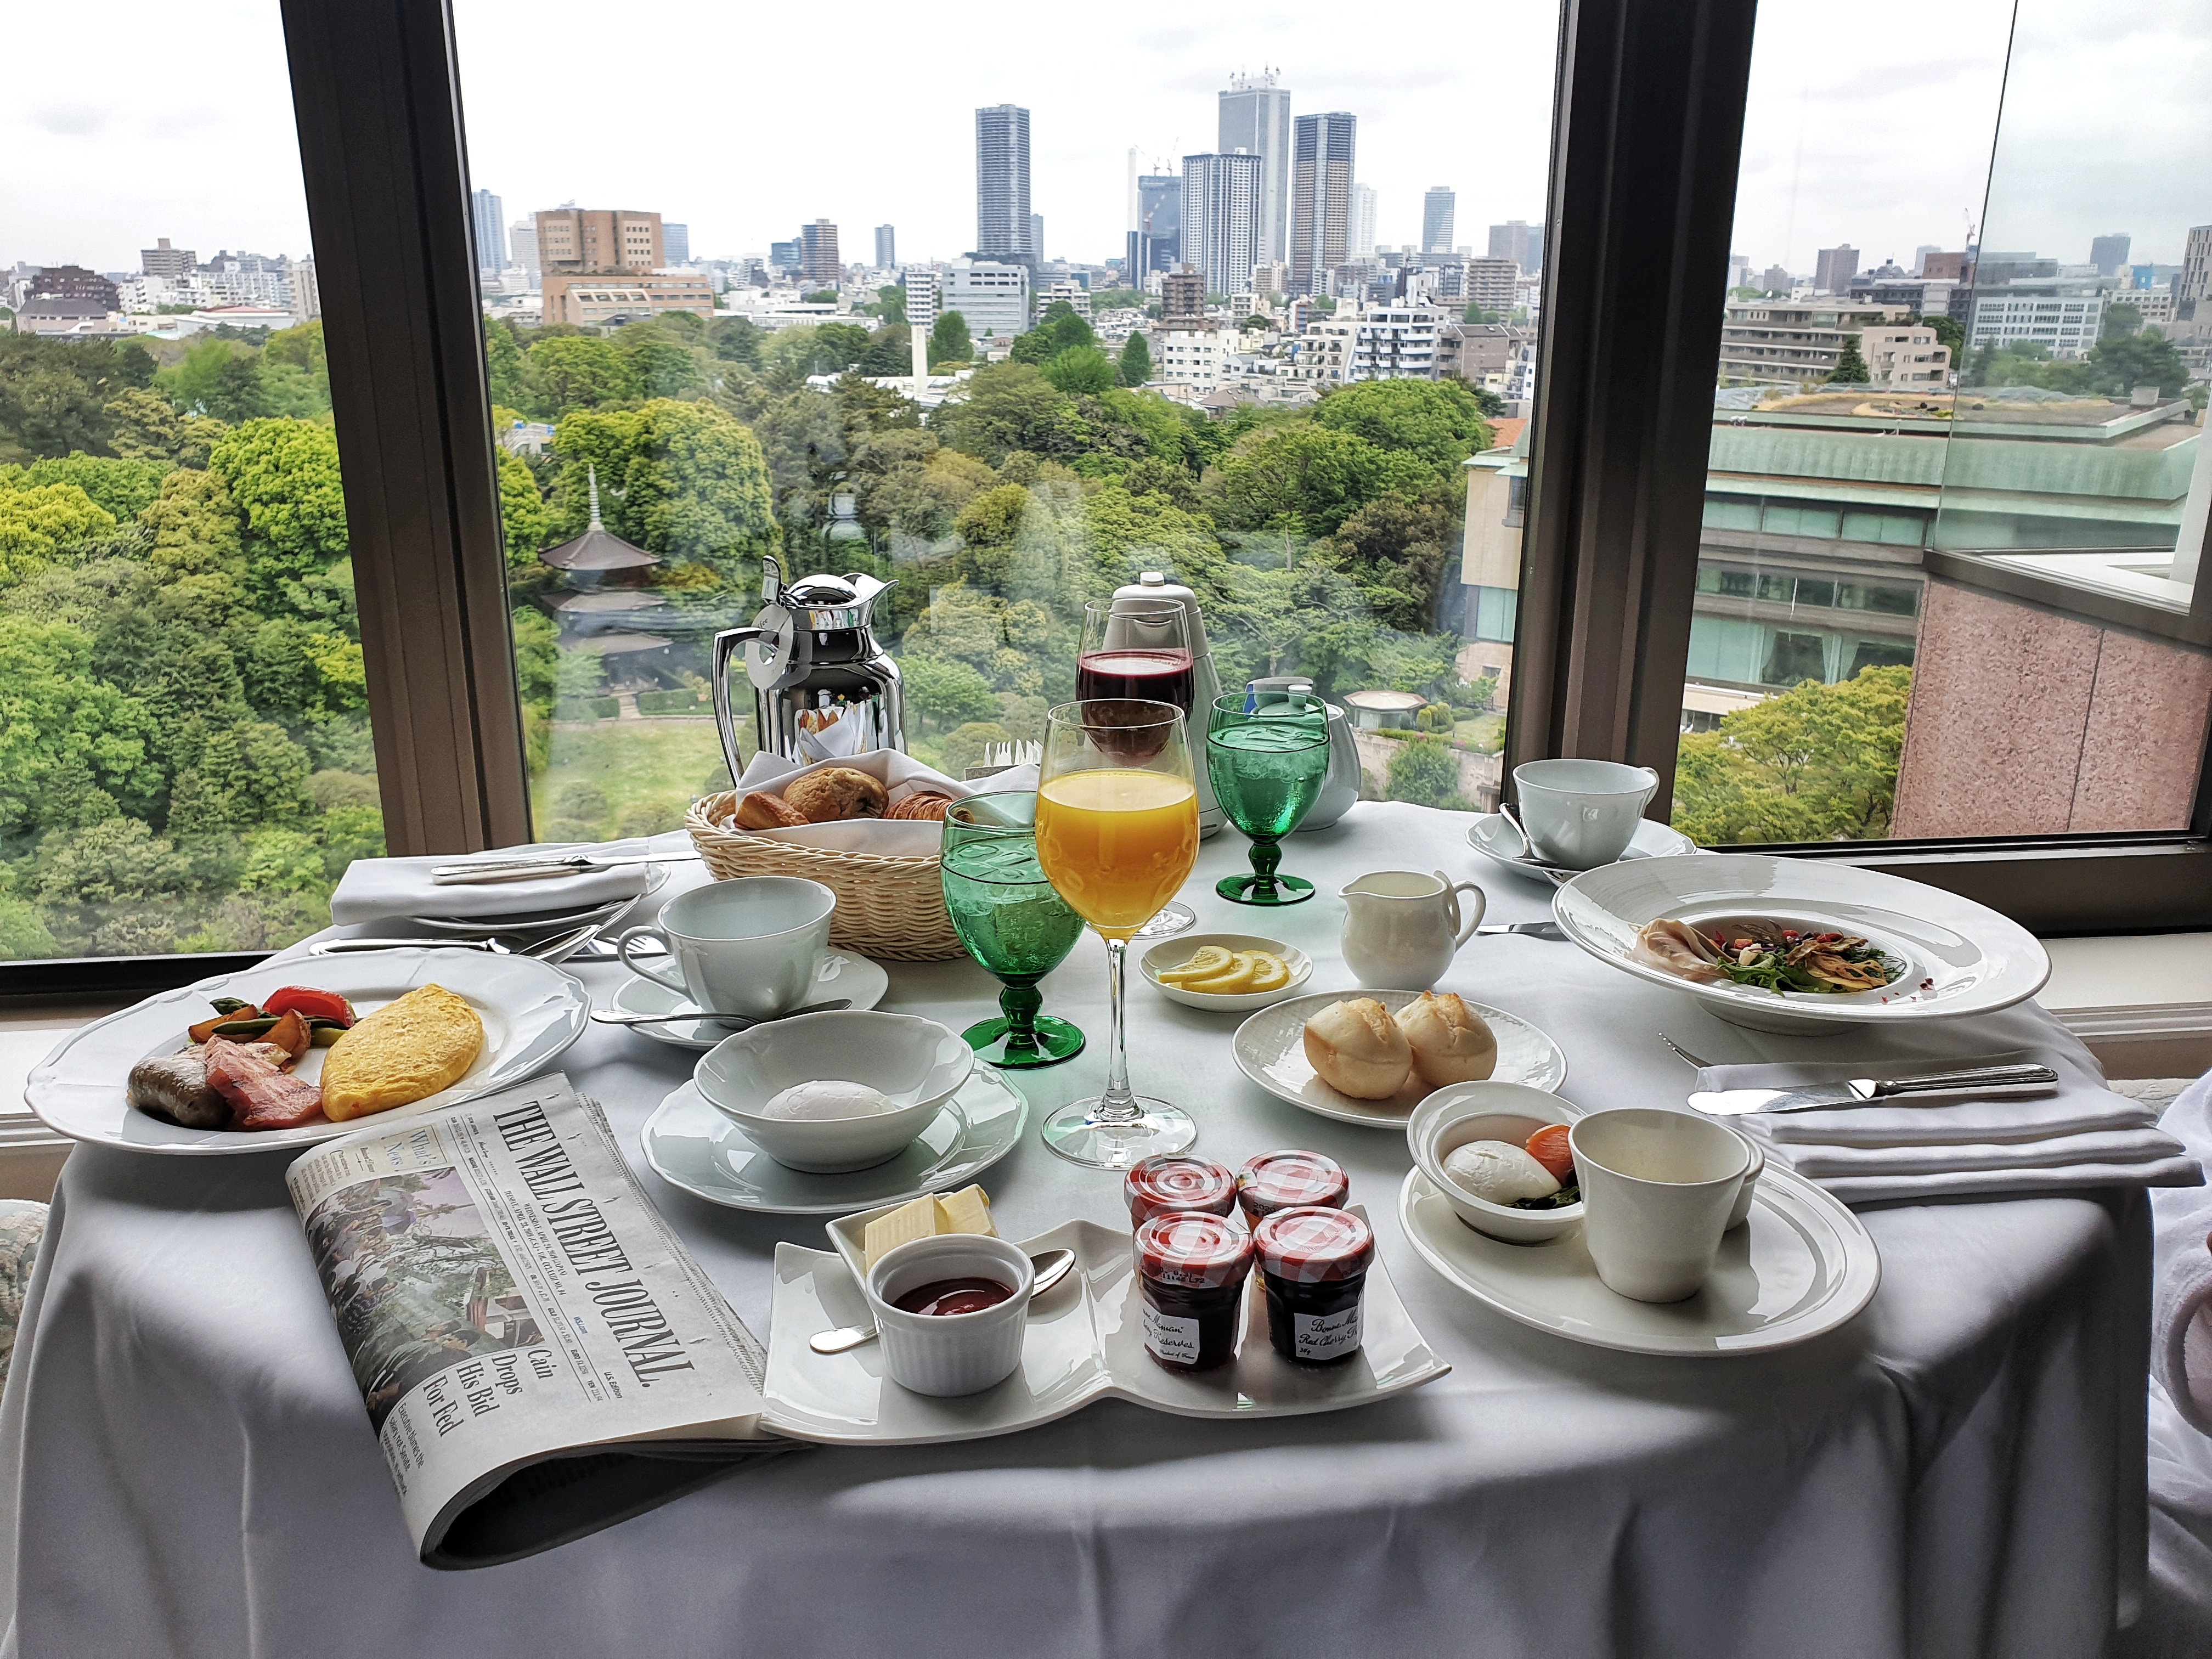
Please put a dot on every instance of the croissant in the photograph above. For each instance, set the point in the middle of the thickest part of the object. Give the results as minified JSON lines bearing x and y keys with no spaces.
{"x":837,"y":793}
{"x":926,"y":804}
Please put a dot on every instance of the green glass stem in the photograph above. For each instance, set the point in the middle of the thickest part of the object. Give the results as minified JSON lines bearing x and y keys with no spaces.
{"x":1020,"y":1001}
{"x":1267,"y":858}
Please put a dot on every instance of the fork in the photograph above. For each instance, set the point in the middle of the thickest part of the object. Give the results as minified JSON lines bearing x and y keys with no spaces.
{"x":1682,"y":1054}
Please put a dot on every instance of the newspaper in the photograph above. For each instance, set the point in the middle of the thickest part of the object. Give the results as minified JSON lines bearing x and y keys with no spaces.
{"x":539,"y":1356}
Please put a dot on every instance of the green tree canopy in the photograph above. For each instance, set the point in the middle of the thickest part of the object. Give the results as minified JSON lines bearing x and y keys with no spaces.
{"x":948,"y":340}
{"x":44,"y":523}
{"x":685,"y":480}
{"x":1084,"y":369}
{"x":1438,"y":421}
{"x":1136,"y":363}
{"x":71,"y":745}
{"x":284,"y":476}
{"x":123,"y":488}
{"x":1310,"y":475}
{"x":579,"y":371}
{"x":1817,"y":762}
{"x":2124,"y":362}
{"x":54,"y":394}
{"x":1851,"y":368}
{"x":891,"y":303}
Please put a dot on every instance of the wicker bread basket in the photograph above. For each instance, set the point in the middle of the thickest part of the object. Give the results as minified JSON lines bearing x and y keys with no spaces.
{"x":889,"y":908}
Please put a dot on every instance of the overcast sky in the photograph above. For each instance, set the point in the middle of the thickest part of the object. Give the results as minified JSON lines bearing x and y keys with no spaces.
{"x":743,"y":123}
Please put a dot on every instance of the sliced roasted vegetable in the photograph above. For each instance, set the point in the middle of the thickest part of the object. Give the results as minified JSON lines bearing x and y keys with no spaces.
{"x":290,"y":1034}
{"x":229,"y":1011}
{"x":310,"y":1002}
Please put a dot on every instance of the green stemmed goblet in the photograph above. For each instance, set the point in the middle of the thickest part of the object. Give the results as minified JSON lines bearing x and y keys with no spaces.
{"x":1267,"y":754}
{"x":1012,"y":922}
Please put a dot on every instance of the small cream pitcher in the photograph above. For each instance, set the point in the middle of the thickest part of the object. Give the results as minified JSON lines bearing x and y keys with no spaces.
{"x":1401,"y":928}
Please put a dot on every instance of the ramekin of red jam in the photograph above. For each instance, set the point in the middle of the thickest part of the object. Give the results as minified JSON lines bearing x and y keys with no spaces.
{"x":1191,"y":1269}
{"x":1313,"y":1268}
{"x":1290,"y":1180}
{"x":1173,"y":1184}
{"x":969,"y":1294}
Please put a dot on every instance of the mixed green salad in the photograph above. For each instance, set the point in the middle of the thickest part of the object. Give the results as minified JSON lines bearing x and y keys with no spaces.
{"x":1766,"y":953}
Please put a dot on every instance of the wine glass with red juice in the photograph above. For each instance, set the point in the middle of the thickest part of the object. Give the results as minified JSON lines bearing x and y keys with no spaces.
{"x":1137,"y":650}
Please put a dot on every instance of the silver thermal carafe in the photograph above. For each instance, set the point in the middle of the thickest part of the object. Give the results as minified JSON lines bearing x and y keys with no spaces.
{"x":1132,"y":602}
{"x":823,"y":688}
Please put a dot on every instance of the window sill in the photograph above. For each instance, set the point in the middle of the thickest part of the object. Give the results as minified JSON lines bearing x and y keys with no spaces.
{"x":2142,"y":1004}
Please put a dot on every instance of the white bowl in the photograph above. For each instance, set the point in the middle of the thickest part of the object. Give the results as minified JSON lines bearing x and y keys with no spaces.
{"x":951,"y":1353}
{"x":1963,"y":958}
{"x":1511,"y":1112}
{"x":916,"y":1063}
{"x":1169,"y":953}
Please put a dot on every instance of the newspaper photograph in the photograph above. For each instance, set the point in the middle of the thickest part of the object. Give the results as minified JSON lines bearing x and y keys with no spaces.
{"x":507,"y":1296}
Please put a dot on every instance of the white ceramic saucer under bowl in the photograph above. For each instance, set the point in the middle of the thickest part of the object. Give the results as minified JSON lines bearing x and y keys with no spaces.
{"x":1801,"y":1268}
{"x":859,"y":981}
{"x":1961,"y":957}
{"x":692,"y":1146}
{"x":1270,"y":1048}
{"x":1170,"y":953}
{"x":1492,"y":837}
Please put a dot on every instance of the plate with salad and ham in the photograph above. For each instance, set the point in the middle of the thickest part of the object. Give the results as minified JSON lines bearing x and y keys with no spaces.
{"x":302,"y":1050}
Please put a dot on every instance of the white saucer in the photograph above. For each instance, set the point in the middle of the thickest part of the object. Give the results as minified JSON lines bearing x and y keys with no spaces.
{"x":1492,"y":837}
{"x":843,"y":974}
{"x":1800,"y":1267}
{"x":691,"y":1145}
{"x":1270,"y":1048}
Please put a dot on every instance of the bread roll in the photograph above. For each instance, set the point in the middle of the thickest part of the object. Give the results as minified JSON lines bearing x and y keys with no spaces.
{"x":762,"y":810}
{"x":1357,"y":1049}
{"x":837,"y":793}
{"x":1451,"y":1042}
{"x":923,"y":803}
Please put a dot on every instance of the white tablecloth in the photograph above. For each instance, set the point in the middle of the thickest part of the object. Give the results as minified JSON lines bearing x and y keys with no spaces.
{"x":187,"y":1468}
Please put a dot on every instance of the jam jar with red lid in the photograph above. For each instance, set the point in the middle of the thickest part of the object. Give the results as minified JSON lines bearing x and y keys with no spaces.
{"x":1313,"y":1268}
{"x":1191,"y":1269}
{"x":1177,"y":1183}
{"x":1290,"y":1180}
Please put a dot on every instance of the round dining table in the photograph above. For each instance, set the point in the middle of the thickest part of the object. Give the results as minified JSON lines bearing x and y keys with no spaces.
{"x":1958,"y":1470}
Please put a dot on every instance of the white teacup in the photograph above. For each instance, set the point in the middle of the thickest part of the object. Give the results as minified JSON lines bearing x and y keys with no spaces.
{"x":751,"y":946}
{"x":1581,"y":813}
{"x":1657,"y":1189}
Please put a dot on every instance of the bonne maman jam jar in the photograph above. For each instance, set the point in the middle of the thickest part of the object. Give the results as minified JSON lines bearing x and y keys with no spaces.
{"x":1191,"y":1269}
{"x":1176,"y":1183}
{"x":1313,"y":1266}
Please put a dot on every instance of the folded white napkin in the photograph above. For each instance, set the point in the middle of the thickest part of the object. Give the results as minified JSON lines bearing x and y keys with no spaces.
{"x":901,"y":775}
{"x":2181,"y":1311}
{"x":2084,"y":1136}
{"x":381,"y":890}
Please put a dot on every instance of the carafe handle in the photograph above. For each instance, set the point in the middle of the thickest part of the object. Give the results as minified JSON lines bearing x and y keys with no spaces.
{"x":726,"y":645}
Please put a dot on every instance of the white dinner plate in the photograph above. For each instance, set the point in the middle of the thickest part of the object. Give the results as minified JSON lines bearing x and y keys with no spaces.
{"x":1801,"y":1265}
{"x":1962,"y":958}
{"x":1492,"y":837}
{"x":531,"y":1013}
{"x":691,"y":1145}
{"x":1172,"y":953}
{"x":1270,"y":1049}
{"x":841,"y":974}
{"x":1085,"y":1342}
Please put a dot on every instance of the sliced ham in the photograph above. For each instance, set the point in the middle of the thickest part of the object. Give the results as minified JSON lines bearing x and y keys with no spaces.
{"x":1679,"y":949}
{"x":261,"y":1093}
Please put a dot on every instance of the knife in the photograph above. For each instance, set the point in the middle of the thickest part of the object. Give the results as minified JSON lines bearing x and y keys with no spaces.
{"x":2000,"y":1081}
{"x":477,"y":872}
{"x":1533,"y":929}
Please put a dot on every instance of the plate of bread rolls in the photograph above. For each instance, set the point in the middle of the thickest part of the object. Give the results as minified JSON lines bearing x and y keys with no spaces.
{"x":836,"y":794}
{"x":1371,"y":1056}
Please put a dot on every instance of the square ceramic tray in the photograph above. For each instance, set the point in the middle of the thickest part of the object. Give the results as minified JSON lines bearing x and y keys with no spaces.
{"x":1085,"y":1342}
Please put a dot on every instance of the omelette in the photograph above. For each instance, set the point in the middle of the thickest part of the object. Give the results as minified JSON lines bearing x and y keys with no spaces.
{"x":404,"y":1052}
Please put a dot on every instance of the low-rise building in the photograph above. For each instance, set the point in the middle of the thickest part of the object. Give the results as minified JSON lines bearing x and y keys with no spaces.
{"x":2065,"y":317}
{"x":1801,"y":340}
{"x":992,"y":299}
{"x":1474,"y":351}
{"x":590,"y":298}
{"x":1396,"y":342}
{"x":1191,"y":356}
{"x":1905,"y":354}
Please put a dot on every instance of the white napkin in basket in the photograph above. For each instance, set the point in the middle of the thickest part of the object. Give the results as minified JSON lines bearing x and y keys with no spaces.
{"x":2083,"y":1137}
{"x":901,"y":775}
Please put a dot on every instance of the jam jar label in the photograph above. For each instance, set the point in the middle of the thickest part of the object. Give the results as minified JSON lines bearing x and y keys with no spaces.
{"x":1324,"y":1336}
{"x":1170,"y":1339}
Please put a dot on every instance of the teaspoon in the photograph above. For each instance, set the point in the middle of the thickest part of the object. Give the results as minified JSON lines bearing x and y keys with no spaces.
{"x":1046,"y":1271}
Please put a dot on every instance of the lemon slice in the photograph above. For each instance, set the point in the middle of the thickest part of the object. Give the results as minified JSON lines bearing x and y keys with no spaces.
{"x":1211,"y":959}
{"x":1270,"y":971}
{"x":1238,"y":978}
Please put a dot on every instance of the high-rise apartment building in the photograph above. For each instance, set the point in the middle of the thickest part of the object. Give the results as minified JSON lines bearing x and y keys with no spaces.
{"x":1520,"y":241}
{"x":1255,"y":117}
{"x":522,"y":246}
{"x":2193,"y":282}
{"x":1221,"y":218}
{"x":818,"y":263}
{"x":162,"y":260}
{"x":1002,"y":183}
{"x":1321,"y":197}
{"x":2109,"y":253}
{"x":886,"y":248}
{"x":1183,"y":299}
{"x":1490,"y":284}
{"x":1834,"y":267}
{"x":1437,"y":210}
{"x":1362,"y":222}
{"x":676,"y":244}
{"x":492,"y":233}
{"x":306,"y":291}
{"x":576,"y":239}
{"x":1036,"y":234}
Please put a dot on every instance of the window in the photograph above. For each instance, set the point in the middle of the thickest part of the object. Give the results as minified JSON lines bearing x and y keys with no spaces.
{"x":186,"y":762}
{"x":2009,"y":550}
{"x":1367,"y":535}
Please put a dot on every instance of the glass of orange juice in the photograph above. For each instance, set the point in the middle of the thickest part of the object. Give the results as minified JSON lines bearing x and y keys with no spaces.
{"x":1116,"y":835}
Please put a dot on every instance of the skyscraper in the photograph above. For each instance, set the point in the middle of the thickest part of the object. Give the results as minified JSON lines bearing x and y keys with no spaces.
{"x":1221,"y":218}
{"x":2109,"y":253}
{"x":1363,"y":222}
{"x":1834,"y":267}
{"x":1321,"y":198}
{"x":491,"y":233}
{"x":818,"y":263}
{"x":1256,"y":117}
{"x":1036,"y":234}
{"x":1159,"y":221}
{"x":886,"y":248}
{"x":1002,"y":182}
{"x":1436,"y":211}
{"x":675,"y":242}
{"x":1520,"y":241}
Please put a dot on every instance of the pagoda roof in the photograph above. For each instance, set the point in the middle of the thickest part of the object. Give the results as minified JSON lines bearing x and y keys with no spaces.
{"x":599,"y":548}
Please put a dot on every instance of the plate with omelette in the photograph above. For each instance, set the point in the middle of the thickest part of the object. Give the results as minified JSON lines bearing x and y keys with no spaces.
{"x":410,"y":1031}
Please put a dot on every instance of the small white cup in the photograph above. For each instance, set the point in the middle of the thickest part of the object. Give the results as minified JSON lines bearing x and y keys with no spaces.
{"x":1658,"y":1189}
{"x":1581,"y":813}
{"x":1401,"y":928}
{"x":751,"y":946}
{"x":951,"y":1353}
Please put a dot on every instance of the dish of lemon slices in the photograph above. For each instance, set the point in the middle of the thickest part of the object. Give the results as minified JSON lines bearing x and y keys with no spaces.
{"x":1226,"y":973}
